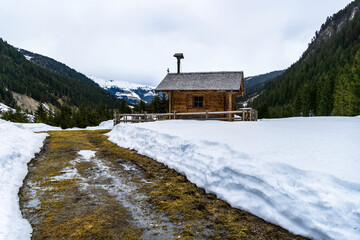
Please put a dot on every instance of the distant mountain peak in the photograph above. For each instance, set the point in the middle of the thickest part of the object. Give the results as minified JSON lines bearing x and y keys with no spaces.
{"x":131,"y":92}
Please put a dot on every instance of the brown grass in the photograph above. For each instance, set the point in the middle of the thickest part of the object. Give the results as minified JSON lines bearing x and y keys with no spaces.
{"x":66,"y":212}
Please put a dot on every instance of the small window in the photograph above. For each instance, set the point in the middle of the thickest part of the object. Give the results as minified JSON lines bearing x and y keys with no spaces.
{"x":198,"y":101}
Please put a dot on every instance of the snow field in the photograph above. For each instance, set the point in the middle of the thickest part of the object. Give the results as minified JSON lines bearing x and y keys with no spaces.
{"x":17,"y":148}
{"x":299,"y":173}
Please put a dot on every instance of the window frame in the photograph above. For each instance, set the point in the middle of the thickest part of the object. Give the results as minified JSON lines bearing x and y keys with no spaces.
{"x":198,"y":101}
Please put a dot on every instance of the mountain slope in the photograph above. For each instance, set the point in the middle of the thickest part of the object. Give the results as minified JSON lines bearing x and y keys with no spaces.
{"x":255,"y":84}
{"x":131,"y":92}
{"x":53,"y":65}
{"x":326,"y":79}
{"x":19,"y":75}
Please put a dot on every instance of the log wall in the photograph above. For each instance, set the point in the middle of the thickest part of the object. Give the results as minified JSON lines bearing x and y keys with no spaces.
{"x":213,"y":101}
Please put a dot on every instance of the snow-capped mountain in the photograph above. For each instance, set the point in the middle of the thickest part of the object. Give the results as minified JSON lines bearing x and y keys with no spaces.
{"x":131,"y":92}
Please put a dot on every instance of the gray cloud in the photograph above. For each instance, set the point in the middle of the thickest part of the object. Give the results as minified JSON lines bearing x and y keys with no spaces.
{"x":135,"y":40}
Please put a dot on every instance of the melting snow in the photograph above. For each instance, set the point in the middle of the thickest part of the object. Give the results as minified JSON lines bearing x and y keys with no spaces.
{"x":17,"y":148}
{"x":300,"y":173}
{"x":87,"y":154}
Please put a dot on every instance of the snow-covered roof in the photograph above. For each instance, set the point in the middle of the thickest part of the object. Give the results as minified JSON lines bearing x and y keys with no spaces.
{"x":223,"y":81}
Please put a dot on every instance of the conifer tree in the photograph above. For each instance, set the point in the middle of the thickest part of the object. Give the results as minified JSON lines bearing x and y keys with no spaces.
{"x":41,"y":114}
{"x":140,"y":107}
{"x":124,"y":107}
{"x":355,"y":85}
{"x":341,"y":94}
{"x":17,"y":116}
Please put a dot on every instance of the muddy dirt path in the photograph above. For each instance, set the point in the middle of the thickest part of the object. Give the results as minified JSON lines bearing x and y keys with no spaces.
{"x":81,"y":186}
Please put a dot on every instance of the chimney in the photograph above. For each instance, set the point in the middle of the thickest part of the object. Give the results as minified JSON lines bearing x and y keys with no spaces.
{"x":179,"y":56}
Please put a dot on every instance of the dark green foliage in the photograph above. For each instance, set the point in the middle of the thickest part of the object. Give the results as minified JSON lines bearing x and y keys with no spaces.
{"x":263,"y":111}
{"x":17,"y":116}
{"x":140,"y":107}
{"x":41,"y":115}
{"x":254,"y":85}
{"x":6,"y":96}
{"x":325,"y":81}
{"x":124,"y":107}
{"x":68,"y":117}
{"x":55,"y":66}
{"x":159,"y":104}
{"x":22,"y":76}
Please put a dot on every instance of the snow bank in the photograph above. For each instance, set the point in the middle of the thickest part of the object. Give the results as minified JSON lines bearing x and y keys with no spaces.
{"x":17,"y":148}
{"x":41,"y":127}
{"x":299,"y":173}
{"x":37,"y":127}
{"x":109,"y":124}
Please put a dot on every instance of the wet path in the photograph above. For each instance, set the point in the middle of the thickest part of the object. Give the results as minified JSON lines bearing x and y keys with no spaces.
{"x":82,"y":186}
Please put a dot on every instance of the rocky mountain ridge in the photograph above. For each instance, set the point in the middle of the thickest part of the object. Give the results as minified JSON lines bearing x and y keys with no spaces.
{"x":333,"y":25}
{"x":325,"y":81}
{"x":131,"y":92}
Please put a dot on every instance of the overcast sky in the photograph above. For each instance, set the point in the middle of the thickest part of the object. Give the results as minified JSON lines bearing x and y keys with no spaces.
{"x":135,"y":40}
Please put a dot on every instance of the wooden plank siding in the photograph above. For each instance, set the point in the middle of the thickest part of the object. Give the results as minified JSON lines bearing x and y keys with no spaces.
{"x":213,"y":101}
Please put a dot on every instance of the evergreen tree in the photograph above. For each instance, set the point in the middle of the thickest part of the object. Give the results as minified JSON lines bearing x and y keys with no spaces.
{"x":81,"y":116}
{"x":17,"y":116}
{"x":355,"y":86}
{"x":155,"y":105}
{"x":341,"y":95}
{"x":64,"y":117}
{"x":263,"y":111}
{"x":140,"y":107}
{"x":324,"y":96}
{"x":101,"y":112}
{"x":41,"y":115}
{"x":124,"y":107}
{"x":164,"y":103}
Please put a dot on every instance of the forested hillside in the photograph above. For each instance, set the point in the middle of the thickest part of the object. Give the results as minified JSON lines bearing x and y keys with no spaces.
{"x":326,"y":79}
{"x":22,"y":76}
{"x":256,"y":84}
{"x":53,"y":65}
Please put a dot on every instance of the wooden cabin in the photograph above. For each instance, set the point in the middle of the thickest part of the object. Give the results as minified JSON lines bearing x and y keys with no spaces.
{"x":202,"y":91}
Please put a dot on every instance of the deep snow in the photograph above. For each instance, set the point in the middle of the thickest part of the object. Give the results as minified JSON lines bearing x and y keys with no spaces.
{"x":17,"y":148}
{"x":300,"y":173}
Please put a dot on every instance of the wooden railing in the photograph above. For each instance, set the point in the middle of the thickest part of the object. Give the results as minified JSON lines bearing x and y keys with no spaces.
{"x":243,"y":114}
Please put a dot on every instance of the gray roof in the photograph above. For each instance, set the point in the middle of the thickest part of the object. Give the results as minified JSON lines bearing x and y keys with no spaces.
{"x":230,"y":81}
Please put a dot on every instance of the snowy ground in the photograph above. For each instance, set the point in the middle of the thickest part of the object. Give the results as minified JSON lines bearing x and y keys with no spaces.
{"x":109,"y":124}
{"x":4,"y":108}
{"x":18,"y":145}
{"x":300,"y":173}
{"x":17,"y":148}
